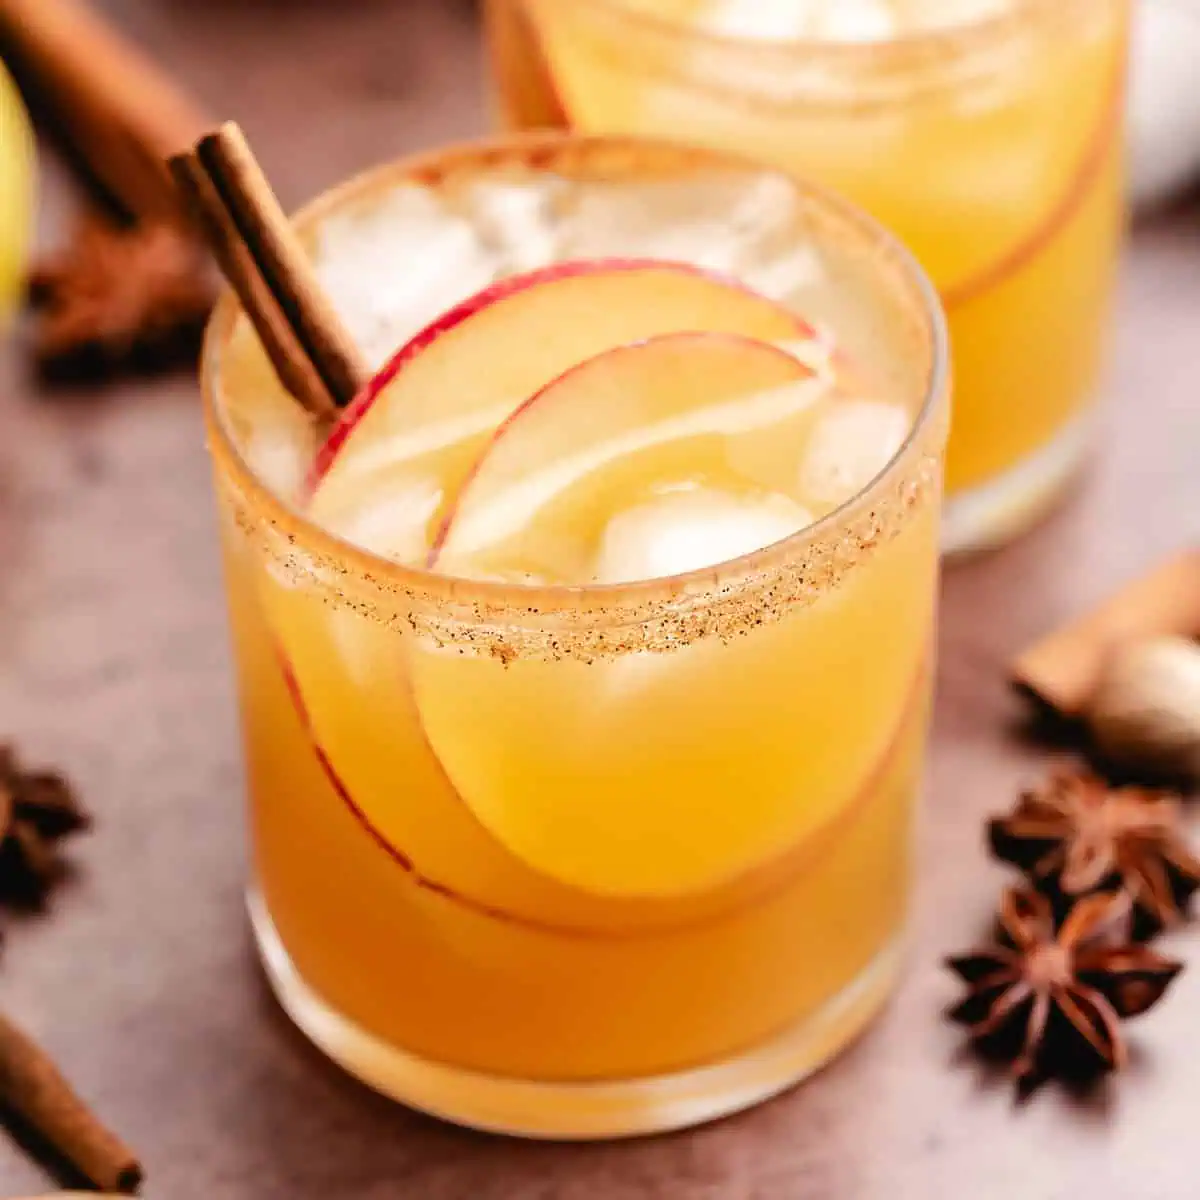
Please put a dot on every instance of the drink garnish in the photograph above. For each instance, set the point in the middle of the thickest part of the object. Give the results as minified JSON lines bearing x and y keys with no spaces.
{"x":1075,"y":835}
{"x":127,"y":294}
{"x":37,"y":810}
{"x":34,"y":1089}
{"x":235,"y":209}
{"x":1050,"y":998}
{"x":1145,"y":711}
{"x":116,"y":297}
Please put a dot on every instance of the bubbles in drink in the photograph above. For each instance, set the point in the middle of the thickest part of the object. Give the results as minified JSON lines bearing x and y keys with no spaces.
{"x":849,"y":444}
{"x":689,"y":528}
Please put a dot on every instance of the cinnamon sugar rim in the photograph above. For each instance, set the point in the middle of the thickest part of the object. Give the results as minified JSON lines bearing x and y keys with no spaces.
{"x":598,"y":620}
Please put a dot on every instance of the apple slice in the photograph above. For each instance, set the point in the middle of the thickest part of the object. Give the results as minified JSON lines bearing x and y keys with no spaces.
{"x":654,"y":775}
{"x":413,"y":434}
{"x":633,"y":419}
{"x":379,"y":480}
{"x":668,"y":775}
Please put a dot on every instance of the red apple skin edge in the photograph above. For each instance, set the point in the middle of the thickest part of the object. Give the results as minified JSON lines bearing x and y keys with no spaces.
{"x":785,"y":870}
{"x":402,"y":860}
{"x":1072,"y":199}
{"x":505,"y":426}
{"x":358,"y":408}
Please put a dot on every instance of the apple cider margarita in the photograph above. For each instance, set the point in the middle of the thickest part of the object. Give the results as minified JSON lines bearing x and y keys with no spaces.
{"x":584,"y":662}
{"x":987,"y":134}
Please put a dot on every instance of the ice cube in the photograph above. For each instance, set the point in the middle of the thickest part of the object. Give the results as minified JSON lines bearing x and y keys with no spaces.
{"x":687,"y":221}
{"x":280,"y":460}
{"x":818,"y":353}
{"x":849,"y":445}
{"x":651,"y":220}
{"x":719,"y":222}
{"x":277,"y":436}
{"x":783,"y":276}
{"x":761,"y":20}
{"x":393,"y":520}
{"x":946,"y":14}
{"x":769,"y":204}
{"x":793,"y":20}
{"x":518,"y":220}
{"x":686,"y":529}
{"x":391,"y":268}
{"x":856,"y":21}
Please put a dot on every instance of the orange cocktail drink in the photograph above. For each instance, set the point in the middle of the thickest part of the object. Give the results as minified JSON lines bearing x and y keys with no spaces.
{"x":584,"y":664}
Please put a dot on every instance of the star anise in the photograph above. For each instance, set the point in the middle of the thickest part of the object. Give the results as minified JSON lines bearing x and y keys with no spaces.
{"x":119,"y":297}
{"x":37,"y":809}
{"x":1051,"y":999}
{"x":1076,"y":835}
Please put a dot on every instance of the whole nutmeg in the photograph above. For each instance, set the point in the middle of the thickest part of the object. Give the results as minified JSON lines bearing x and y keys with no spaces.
{"x":1146,"y":711}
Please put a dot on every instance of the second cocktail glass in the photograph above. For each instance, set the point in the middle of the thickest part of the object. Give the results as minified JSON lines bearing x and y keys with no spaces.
{"x":985,"y":133}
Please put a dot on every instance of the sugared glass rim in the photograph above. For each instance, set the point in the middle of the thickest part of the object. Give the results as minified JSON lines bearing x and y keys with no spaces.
{"x":919,"y":45}
{"x":529,"y":603}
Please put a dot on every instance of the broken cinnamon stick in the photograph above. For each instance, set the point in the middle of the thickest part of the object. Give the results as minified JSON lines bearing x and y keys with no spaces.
{"x":34,"y":1088}
{"x":1063,"y":669}
{"x":114,"y":298}
{"x":261,"y":257}
{"x":121,"y":114}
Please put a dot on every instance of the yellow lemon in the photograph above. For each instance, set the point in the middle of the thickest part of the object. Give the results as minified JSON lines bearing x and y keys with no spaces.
{"x":16,"y":192}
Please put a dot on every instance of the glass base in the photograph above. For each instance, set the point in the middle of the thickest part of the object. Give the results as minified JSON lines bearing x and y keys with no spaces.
{"x":987,"y":516}
{"x":574,"y":1111}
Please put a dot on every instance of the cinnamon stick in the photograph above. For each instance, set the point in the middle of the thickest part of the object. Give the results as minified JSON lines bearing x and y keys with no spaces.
{"x":122,"y":114}
{"x":113,"y":298}
{"x":1063,"y":669}
{"x":295,"y":370}
{"x":34,"y":1088}
{"x":285,"y":267}
{"x":260,"y":255}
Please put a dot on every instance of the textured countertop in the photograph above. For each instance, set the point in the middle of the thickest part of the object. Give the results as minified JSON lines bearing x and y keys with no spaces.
{"x":114,"y":663}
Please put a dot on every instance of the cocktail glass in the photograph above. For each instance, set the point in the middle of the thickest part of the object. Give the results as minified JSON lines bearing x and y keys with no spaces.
{"x":583,"y":861}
